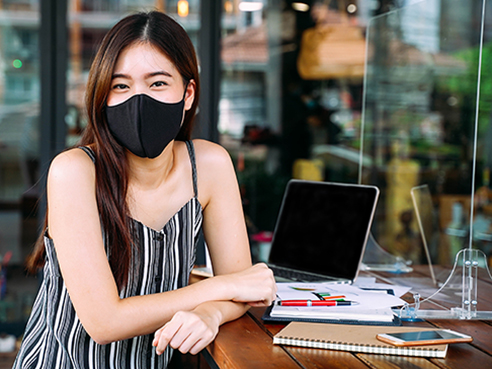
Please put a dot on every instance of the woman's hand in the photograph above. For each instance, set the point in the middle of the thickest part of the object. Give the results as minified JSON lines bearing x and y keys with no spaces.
{"x":189,"y":331}
{"x":254,"y":286}
{"x":192,"y":331}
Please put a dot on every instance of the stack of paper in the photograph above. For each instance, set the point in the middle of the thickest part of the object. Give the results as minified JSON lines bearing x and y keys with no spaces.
{"x":368,"y":304}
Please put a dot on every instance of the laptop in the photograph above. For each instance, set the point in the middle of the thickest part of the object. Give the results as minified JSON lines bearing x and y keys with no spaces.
{"x":321,"y":231}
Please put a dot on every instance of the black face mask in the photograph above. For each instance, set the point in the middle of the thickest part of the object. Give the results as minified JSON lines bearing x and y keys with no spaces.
{"x":144,"y":125}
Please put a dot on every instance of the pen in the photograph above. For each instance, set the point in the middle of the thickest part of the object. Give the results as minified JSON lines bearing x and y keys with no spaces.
{"x":315,"y":303}
{"x":325,"y":296}
{"x":333,"y":297}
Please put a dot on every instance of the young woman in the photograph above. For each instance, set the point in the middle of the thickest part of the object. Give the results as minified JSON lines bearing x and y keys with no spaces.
{"x":124,"y":212}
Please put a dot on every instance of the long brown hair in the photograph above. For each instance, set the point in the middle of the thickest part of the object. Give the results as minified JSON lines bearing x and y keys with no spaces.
{"x":111,"y":165}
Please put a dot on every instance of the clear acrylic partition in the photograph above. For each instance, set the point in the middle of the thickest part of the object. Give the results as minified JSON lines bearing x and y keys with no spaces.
{"x":425,"y":123}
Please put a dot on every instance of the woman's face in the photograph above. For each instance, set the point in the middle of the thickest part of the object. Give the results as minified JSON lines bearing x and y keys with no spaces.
{"x":143,"y":69}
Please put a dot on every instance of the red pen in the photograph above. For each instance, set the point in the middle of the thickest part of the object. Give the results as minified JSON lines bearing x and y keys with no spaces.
{"x":315,"y":303}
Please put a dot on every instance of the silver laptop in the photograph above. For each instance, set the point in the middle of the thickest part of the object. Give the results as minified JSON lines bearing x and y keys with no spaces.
{"x":321,"y":231}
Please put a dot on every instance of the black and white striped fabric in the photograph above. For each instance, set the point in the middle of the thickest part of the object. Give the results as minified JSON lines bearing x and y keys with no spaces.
{"x":161,"y":261}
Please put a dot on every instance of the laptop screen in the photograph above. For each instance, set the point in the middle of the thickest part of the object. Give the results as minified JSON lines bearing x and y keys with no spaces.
{"x":323,"y":227}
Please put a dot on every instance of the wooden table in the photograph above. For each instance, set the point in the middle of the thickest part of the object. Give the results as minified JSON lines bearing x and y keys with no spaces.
{"x":247,"y":342}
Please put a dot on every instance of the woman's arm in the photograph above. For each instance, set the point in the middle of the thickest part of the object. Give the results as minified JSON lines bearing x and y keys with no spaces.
{"x":194,"y":330}
{"x":225,"y":232}
{"x":75,"y":229}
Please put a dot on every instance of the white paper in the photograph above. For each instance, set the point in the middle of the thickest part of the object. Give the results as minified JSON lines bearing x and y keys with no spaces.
{"x":397,"y":290}
{"x":334,"y":313}
{"x":368,"y":300}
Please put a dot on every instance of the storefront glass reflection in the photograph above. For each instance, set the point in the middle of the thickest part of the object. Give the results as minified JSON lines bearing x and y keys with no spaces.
{"x":293,"y":102}
{"x":19,"y":126}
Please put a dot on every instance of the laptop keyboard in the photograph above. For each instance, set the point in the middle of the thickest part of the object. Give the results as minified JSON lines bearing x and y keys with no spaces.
{"x":296,"y":275}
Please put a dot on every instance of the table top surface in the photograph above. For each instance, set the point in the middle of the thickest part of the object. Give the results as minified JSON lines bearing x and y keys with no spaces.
{"x":247,"y":342}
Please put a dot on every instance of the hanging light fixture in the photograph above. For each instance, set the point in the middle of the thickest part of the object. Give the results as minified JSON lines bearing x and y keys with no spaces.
{"x":228,"y":6}
{"x":250,"y":6}
{"x":183,"y":8}
{"x":351,"y":8}
{"x":300,"y":6}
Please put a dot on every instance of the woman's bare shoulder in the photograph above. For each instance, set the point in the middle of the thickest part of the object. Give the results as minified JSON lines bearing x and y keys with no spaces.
{"x":211,"y":154}
{"x":71,"y":166}
{"x":216,"y":174}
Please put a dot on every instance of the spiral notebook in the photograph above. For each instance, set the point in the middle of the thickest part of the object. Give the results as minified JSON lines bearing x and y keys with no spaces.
{"x":352,"y":338}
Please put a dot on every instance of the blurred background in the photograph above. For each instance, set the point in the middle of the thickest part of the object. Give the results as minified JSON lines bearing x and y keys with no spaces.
{"x":395,"y":93}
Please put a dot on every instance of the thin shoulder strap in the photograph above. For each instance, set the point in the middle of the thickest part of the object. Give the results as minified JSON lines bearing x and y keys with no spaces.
{"x":89,"y":152}
{"x":191,"y":152}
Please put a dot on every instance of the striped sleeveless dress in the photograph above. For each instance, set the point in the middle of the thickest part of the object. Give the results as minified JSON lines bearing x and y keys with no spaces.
{"x":161,"y":261}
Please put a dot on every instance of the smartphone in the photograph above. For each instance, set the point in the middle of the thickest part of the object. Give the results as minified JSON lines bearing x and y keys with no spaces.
{"x":417,"y":338}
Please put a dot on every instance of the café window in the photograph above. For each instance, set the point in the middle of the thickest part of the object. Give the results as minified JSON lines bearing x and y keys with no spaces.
{"x":331,"y":71}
